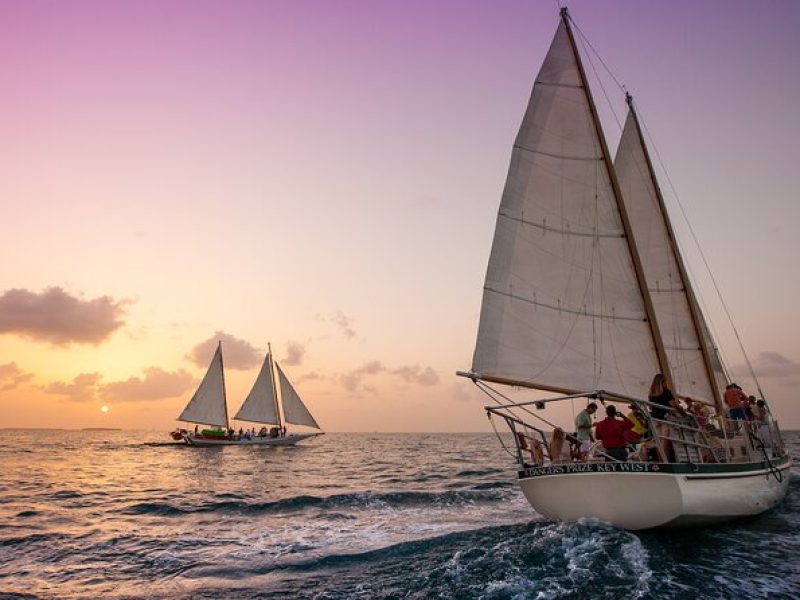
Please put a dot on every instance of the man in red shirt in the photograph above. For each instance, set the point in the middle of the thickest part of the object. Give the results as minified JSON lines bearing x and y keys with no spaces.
{"x":611,"y":431}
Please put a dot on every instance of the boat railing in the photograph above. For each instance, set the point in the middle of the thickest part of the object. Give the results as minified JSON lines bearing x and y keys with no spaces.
{"x":677,"y":436}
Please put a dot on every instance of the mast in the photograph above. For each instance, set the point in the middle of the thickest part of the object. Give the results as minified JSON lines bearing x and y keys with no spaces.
{"x":692,"y":301}
{"x":274,"y":387}
{"x":224,"y":396}
{"x":634,"y":254}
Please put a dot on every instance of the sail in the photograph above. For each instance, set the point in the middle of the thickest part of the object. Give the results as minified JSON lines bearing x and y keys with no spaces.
{"x":260,"y":405}
{"x":682,"y":329}
{"x":294,"y":411}
{"x":562,"y":308}
{"x":207,"y":406}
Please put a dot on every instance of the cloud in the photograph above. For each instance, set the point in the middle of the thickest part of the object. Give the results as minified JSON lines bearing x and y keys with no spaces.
{"x":295,"y":352}
{"x":236,"y":353}
{"x":352,"y":381}
{"x":156,"y":384}
{"x":770,"y":364}
{"x":416,"y":374}
{"x":345,"y":324}
{"x":55,"y":316}
{"x":11,"y":377}
{"x":81,"y":389}
{"x":312,"y":376}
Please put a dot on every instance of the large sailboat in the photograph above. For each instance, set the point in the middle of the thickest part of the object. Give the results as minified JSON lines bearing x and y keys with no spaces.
{"x":209,"y":407}
{"x":587,"y":297}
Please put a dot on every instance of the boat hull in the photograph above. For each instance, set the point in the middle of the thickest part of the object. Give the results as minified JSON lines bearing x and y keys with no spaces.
{"x":644,"y":495}
{"x":289,"y":440}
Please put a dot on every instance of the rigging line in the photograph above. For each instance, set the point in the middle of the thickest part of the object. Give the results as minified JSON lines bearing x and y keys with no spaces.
{"x":702,"y":254}
{"x":600,"y":58}
{"x":600,"y":81}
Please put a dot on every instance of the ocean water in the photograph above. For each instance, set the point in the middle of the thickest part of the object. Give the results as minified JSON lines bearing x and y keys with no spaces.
{"x":126,"y":514}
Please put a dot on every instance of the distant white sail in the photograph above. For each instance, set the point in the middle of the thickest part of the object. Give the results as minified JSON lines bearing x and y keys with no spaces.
{"x":260,"y":405}
{"x":562,"y":308}
{"x":207,"y":406}
{"x":294,"y":411}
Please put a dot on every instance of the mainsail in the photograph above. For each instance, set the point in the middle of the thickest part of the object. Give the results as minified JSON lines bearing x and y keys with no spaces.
{"x":261,"y":406}
{"x":563,"y":308}
{"x":694,"y":365}
{"x":208,"y":406}
{"x":294,"y":411}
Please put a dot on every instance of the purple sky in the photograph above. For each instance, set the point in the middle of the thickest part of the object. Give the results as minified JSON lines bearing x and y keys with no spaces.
{"x":290,"y":171}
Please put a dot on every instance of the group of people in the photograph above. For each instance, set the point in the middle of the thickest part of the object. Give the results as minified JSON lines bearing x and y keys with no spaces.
{"x":620,"y":433}
{"x":742,"y":407}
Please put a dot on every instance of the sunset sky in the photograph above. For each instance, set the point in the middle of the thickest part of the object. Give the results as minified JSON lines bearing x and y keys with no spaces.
{"x":325,"y":176}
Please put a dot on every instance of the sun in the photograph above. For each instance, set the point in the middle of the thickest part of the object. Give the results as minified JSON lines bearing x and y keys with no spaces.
{"x":104,"y":409}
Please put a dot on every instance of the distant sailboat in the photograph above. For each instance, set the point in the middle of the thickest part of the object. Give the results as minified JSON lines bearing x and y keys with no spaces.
{"x":586,"y":295}
{"x":208,"y":406}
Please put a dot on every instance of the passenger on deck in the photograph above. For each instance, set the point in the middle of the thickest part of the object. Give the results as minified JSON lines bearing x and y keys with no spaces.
{"x":583,"y":428}
{"x":661,"y":394}
{"x":611,"y":431}
{"x":558,"y":451}
{"x":734,"y":399}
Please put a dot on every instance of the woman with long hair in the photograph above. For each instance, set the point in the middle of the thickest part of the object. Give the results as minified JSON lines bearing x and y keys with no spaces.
{"x":661,"y":394}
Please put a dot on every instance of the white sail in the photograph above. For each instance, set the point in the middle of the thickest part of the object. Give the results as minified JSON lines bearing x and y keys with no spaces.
{"x":294,"y":411}
{"x":670,"y":291}
{"x":207,"y":406}
{"x":260,"y":405}
{"x":562,"y":308}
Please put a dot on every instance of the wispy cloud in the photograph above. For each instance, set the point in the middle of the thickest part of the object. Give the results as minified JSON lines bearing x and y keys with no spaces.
{"x":81,"y":389}
{"x":418,"y":375}
{"x":771,"y":364}
{"x":295,"y":352}
{"x":56,"y":317}
{"x":353,"y":381}
{"x":312,"y":376}
{"x":11,"y":377}
{"x":345,"y":325}
{"x":156,"y":384}
{"x":236,"y":353}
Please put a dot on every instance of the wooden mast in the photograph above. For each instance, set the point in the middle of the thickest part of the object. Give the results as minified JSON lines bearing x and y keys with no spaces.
{"x":693,"y":308}
{"x":224,"y":395}
{"x":626,"y":225}
{"x":274,"y":386}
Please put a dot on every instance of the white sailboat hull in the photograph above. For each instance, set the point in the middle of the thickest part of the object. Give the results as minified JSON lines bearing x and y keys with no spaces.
{"x":655,"y":498}
{"x":289,"y":440}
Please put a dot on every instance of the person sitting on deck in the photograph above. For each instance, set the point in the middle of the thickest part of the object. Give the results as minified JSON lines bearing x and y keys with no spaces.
{"x":611,"y":431}
{"x":558,"y":452}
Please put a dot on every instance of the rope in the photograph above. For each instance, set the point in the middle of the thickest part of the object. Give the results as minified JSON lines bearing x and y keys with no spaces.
{"x":759,"y":445}
{"x":497,"y":433}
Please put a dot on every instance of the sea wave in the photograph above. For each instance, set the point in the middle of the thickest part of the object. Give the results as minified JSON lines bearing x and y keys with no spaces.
{"x":492,"y":492}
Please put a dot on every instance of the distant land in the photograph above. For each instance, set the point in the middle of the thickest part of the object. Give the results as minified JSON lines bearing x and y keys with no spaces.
{"x":101,"y":429}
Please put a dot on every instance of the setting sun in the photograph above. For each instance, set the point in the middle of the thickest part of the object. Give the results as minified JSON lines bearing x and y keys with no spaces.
{"x":104,"y":409}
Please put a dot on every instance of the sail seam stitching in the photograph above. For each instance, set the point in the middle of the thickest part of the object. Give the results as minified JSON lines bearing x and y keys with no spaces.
{"x":565,"y":310}
{"x":558,"y":156}
{"x":563,"y":231}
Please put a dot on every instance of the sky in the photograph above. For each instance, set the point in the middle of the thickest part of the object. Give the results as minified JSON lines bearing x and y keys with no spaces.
{"x":324,"y":177}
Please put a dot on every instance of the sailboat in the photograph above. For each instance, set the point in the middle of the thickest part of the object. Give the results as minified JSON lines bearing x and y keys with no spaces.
{"x":208,"y":406}
{"x":587,"y":297}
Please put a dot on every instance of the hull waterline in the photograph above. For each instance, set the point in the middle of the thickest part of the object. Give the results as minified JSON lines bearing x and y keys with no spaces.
{"x":289,"y":440}
{"x":642,"y":496}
